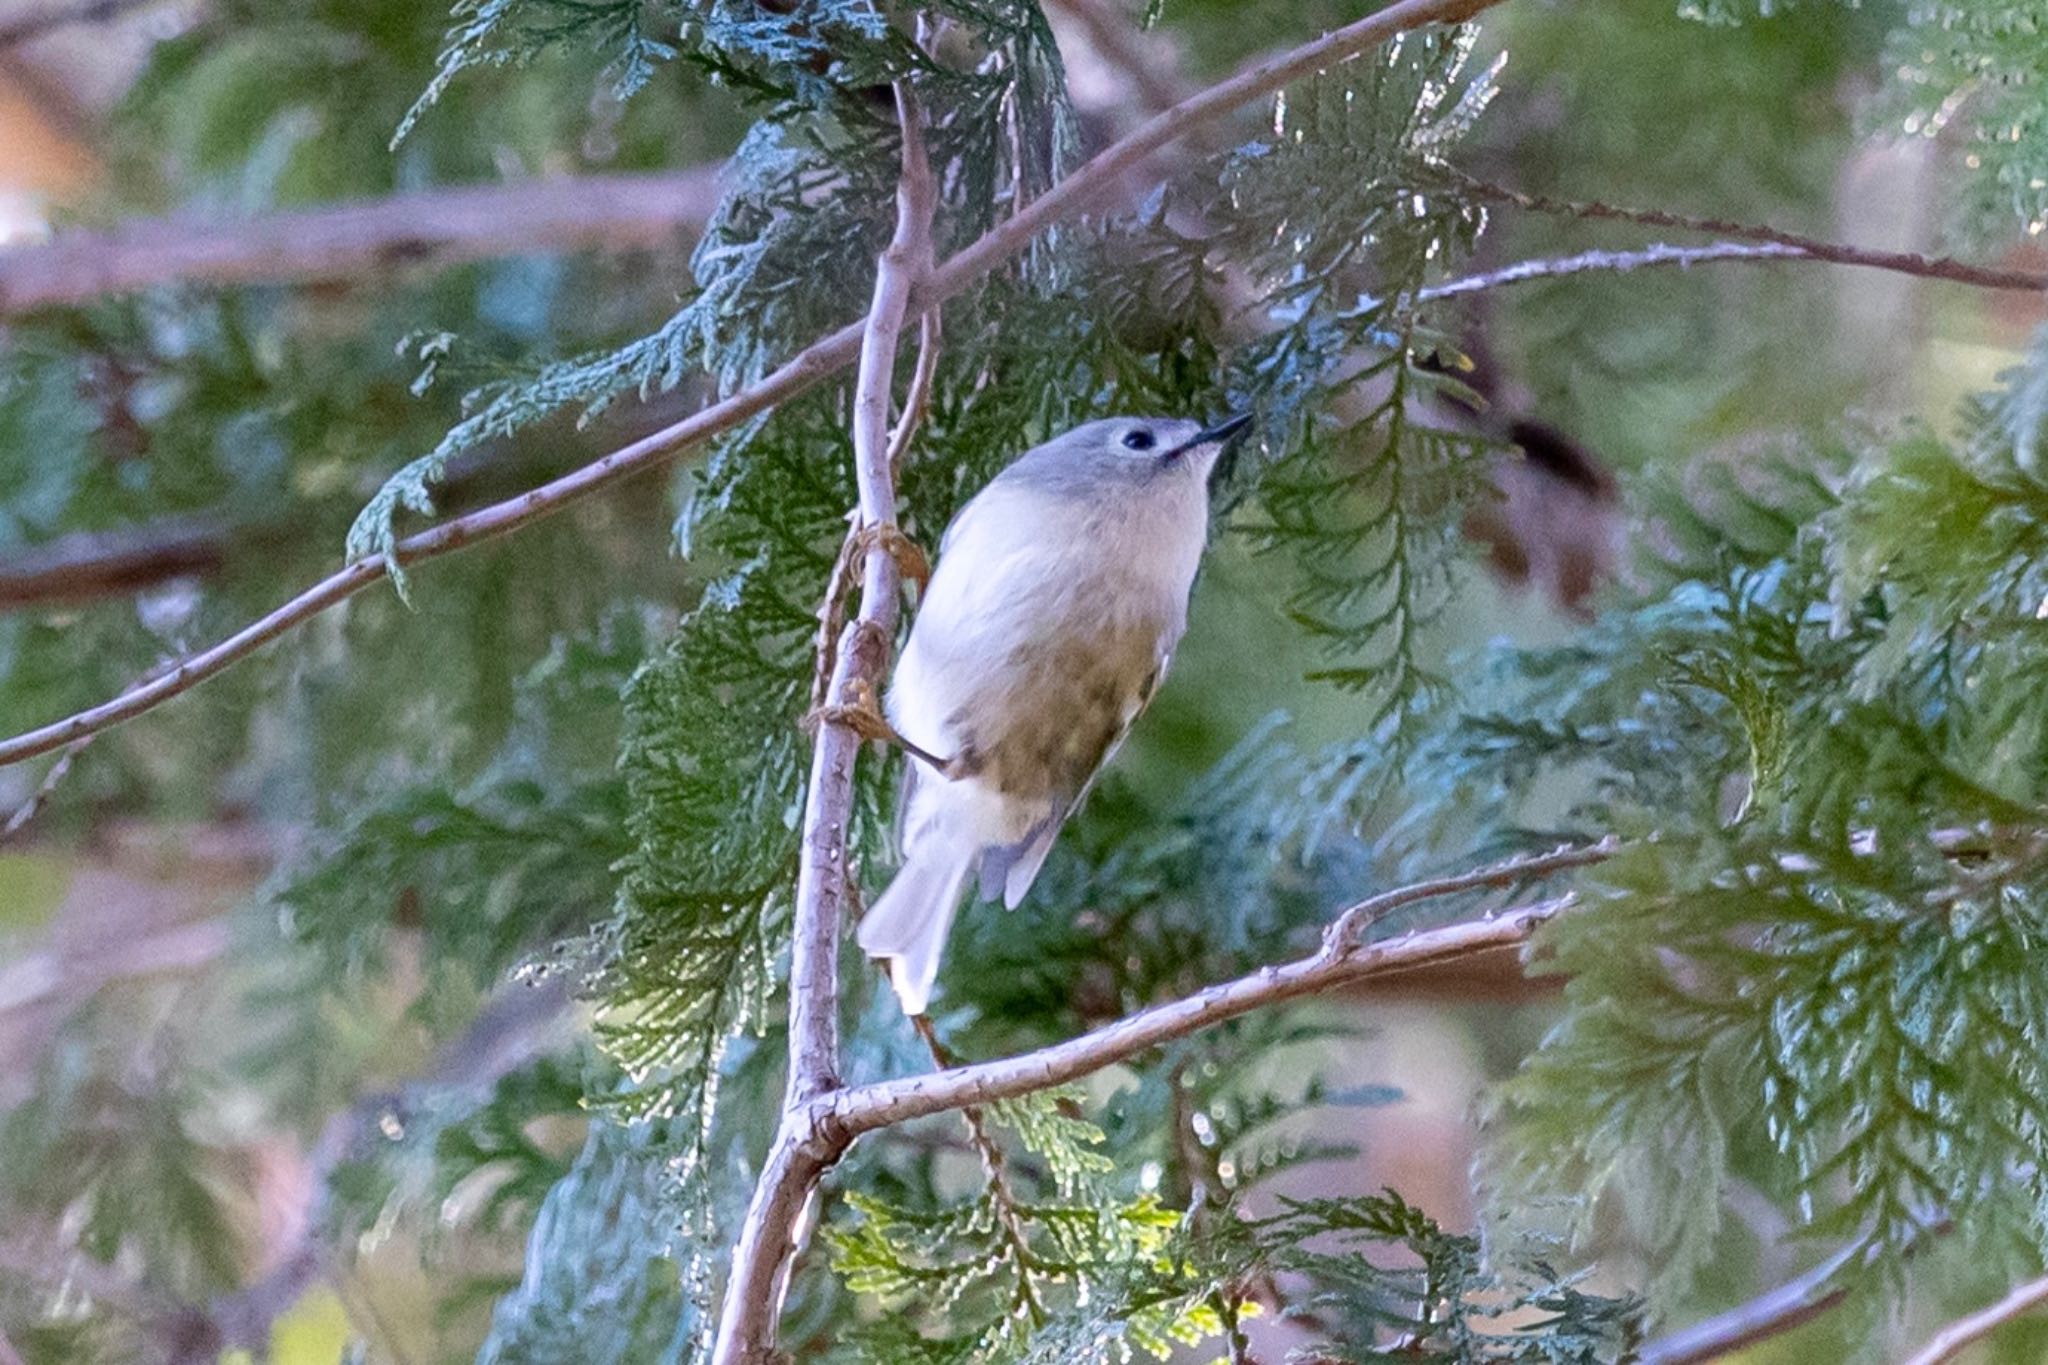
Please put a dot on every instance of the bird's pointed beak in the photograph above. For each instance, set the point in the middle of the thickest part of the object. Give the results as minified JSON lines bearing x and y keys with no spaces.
{"x":1217,"y":434}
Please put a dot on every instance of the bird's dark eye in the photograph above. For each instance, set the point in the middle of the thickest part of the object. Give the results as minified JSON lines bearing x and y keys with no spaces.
{"x":1140,"y":439}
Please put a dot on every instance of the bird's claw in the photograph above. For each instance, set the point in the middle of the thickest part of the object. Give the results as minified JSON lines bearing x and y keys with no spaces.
{"x":860,"y":714}
{"x":911,"y":560}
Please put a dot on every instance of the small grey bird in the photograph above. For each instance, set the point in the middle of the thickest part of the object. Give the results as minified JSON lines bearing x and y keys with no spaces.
{"x":1060,"y":593}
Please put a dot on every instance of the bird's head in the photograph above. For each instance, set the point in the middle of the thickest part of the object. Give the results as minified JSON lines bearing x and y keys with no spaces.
{"x":1123,"y":452}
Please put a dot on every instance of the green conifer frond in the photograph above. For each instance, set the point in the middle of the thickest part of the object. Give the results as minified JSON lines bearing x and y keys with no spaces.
{"x":1795,"y":972}
{"x":604,"y":1270}
{"x":1972,"y":70}
{"x":1342,"y":214}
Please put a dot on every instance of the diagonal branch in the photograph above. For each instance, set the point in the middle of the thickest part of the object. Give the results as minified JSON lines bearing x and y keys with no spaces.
{"x":821,"y":359}
{"x":1812,"y":248}
{"x":1611,"y":262}
{"x":1779,"y":1310}
{"x":345,"y":241}
{"x":1661,"y":254}
{"x":1338,"y":962}
{"x":815,"y":1134}
{"x":769,"y":1238}
{"x":1951,"y":1340}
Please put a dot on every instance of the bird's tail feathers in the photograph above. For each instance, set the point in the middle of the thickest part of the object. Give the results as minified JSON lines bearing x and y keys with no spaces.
{"x":1007,"y":870}
{"x":908,"y":925}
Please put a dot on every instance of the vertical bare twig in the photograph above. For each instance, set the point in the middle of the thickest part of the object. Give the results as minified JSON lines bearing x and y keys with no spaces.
{"x":33,"y":805}
{"x":1009,"y":1219}
{"x":803,"y":1148}
{"x":917,"y":402}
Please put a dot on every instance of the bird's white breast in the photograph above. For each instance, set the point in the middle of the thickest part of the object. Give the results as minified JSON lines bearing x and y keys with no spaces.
{"x":1021,"y":566}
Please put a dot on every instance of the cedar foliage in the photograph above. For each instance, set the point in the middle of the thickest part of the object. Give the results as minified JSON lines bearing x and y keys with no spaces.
{"x":1818,"y":708}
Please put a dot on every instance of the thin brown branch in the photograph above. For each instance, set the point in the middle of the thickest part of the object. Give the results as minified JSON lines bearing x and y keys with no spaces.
{"x":863,"y":655}
{"x":770,"y":1237}
{"x":497,"y":519}
{"x":32,"y":806}
{"x":1103,"y":172}
{"x":1776,"y":1311}
{"x":1951,"y":1340}
{"x":823,"y":357}
{"x":1814,"y":248}
{"x":1773,"y":1313}
{"x":815,"y":1134}
{"x":1009,"y":1218}
{"x":832,"y":614}
{"x":917,"y":402}
{"x":86,"y":565}
{"x":344,"y":242}
{"x":1343,"y":933}
{"x":1610,"y":262}
{"x":1663,"y":255}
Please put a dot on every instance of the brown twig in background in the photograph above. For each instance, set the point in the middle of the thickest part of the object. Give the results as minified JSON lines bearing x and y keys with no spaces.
{"x":1660,"y":254}
{"x":1773,"y":1313}
{"x":1780,"y":1309}
{"x":85,"y":565}
{"x":917,"y":402}
{"x":995,"y":1168}
{"x":30,"y":27}
{"x":349,"y":240}
{"x":1815,"y":248}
